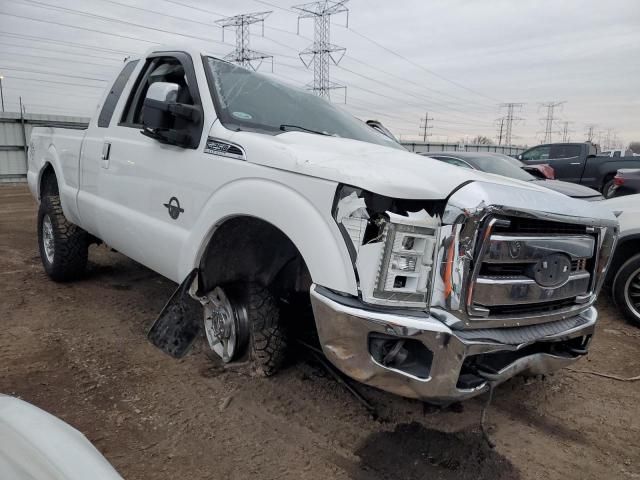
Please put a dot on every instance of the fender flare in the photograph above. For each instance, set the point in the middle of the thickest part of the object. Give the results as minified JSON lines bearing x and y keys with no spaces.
{"x":313,"y":232}
{"x":67,"y":193}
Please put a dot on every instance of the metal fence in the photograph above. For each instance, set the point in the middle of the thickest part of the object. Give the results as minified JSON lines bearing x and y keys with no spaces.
{"x":421,"y":147}
{"x":15,"y":131}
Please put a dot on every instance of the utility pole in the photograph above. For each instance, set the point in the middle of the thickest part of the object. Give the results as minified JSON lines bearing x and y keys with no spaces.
{"x":243,"y":55}
{"x":424,"y":126}
{"x":322,"y":51}
{"x":509,"y":119}
{"x":591,"y":132}
{"x":549,"y":119}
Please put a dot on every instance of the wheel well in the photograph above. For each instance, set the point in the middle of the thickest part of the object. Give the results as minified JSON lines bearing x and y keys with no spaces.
{"x":248,"y":249}
{"x":48,"y":181}
{"x":626,"y":248}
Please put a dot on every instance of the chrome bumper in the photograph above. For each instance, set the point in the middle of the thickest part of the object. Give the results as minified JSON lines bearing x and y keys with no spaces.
{"x":345,"y":328}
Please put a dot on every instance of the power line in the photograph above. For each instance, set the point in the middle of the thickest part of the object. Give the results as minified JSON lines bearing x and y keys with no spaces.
{"x":322,"y":51}
{"x":243,"y":54}
{"x":28,"y":79}
{"x":32,"y":38}
{"x":421,"y":67}
{"x":52,"y":73}
{"x":590,"y":133}
{"x":92,"y":30}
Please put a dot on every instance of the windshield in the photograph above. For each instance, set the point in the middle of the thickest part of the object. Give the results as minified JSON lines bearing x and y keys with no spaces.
{"x":246,"y":100}
{"x":502,"y":165}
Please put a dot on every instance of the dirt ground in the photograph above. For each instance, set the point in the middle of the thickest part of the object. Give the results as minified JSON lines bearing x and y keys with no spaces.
{"x":79,"y":351}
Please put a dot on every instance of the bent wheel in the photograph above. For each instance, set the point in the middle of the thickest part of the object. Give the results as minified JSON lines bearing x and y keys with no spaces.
{"x":226,"y":325}
{"x":245,"y":318}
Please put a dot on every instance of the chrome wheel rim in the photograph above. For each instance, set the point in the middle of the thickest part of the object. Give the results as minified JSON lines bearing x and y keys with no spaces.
{"x":225,"y":325}
{"x":632,"y":292}
{"x":47,"y":238}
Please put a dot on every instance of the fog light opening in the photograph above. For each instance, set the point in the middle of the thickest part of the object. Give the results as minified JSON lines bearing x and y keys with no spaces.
{"x":404,"y":354}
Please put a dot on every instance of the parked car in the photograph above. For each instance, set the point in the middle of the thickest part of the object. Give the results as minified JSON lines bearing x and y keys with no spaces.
{"x":256,"y":196}
{"x":626,"y":182}
{"x":500,"y":164}
{"x":578,"y":163}
{"x":624,"y":272}
{"x":36,"y":445}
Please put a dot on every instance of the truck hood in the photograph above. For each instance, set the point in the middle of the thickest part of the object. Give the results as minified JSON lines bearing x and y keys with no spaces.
{"x":384,"y":170}
{"x":570,"y":189}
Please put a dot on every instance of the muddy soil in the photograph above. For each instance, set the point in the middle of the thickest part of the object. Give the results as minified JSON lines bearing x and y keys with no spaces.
{"x":79,"y":351}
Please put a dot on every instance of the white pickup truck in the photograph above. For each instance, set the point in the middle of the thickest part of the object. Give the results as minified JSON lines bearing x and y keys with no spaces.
{"x":424,"y":279}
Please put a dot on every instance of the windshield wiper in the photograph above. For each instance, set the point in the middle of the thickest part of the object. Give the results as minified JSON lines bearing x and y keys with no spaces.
{"x":284,"y":127}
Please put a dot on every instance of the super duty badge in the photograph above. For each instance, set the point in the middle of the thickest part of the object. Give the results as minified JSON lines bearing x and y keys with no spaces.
{"x":223,"y":149}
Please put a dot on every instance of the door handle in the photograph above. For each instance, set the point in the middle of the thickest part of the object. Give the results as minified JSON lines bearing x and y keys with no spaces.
{"x":104,"y":157}
{"x":575,"y":163}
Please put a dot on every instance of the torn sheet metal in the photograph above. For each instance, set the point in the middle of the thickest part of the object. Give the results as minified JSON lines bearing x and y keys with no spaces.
{"x":352,"y":214}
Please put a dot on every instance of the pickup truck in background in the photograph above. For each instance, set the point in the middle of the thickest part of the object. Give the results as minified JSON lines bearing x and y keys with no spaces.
{"x":580,"y":163}
{"x":420,"y":278}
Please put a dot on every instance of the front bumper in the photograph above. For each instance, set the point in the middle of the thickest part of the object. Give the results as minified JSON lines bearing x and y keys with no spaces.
{"x":346,"y":328}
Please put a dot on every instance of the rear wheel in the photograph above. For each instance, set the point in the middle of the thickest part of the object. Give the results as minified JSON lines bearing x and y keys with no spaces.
{"x":626,"y":289}
{"x":244,"y":321}
{"x":63,"y":246}
{"x":608,"y":189}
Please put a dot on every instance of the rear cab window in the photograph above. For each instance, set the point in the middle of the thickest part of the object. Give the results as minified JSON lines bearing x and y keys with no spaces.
{"x":109,"y":105}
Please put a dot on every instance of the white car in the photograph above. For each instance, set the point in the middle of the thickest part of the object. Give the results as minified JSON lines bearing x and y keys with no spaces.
{"x":624,"y":272}
{"x":35,"y":445}
{"x":424,"y":279}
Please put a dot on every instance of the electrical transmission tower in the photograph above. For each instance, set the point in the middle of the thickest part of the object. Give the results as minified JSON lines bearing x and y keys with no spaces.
{"x":500,"y":125}
{"x":566,"y":132}
{"x":509,"y":120}
{"x":549,"y":119}
{"x":243,"y":55}
{"x":591,"y":132}
{"x":425,"y":127}
{"x":322,"y":52}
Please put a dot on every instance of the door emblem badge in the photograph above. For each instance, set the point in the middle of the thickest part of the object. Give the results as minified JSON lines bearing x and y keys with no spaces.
{"x":174,"y":208}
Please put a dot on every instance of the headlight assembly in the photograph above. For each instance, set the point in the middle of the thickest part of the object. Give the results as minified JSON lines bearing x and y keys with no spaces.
{"x":392,"y":246}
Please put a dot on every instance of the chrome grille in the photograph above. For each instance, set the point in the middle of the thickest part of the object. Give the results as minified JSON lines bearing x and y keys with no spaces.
{"x":526,"y":267}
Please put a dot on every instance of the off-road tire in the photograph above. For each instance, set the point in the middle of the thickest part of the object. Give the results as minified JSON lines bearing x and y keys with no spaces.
{"x":628,"y":269}
{"x":606,"y":187}
{"x":71,"y":243}
{"x":268,"y":342}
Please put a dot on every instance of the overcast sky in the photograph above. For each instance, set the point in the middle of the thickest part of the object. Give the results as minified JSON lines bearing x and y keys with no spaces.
{"x":456,"y":59}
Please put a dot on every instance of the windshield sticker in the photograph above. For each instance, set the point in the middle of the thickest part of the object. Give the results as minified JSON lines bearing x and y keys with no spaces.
{"x":223,"y":149}
{"x":242,"y":115}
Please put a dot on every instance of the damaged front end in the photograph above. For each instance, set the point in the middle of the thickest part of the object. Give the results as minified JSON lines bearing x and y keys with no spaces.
{"x":456,"y":294}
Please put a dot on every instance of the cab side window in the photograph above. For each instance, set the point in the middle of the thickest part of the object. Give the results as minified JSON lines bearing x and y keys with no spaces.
{"x":564,"y":151}
{"x":538,"y":153}
{"x":159,"y":69}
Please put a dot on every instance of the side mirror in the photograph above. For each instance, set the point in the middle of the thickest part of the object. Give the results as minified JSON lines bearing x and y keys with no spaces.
{"x":155,"y":109}
{"x":168,"y":121}
{"x":519,"y":156}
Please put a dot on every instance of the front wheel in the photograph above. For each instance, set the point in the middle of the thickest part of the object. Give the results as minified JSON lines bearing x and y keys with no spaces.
{"x":626,"y":289}
{"x":244,"y":321}
{"x":64,"y":247}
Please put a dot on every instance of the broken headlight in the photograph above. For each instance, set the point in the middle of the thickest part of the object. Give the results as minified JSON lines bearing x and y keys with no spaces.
{"x":392,"y":245}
